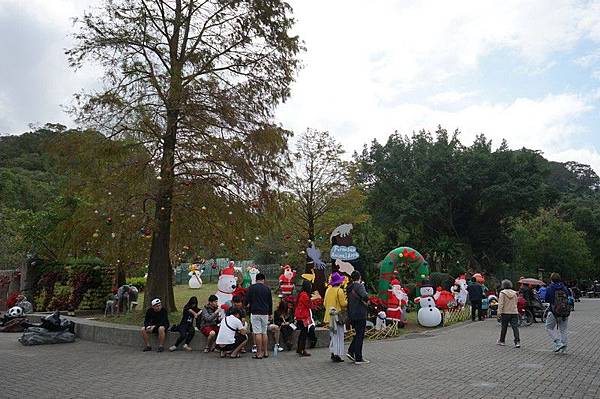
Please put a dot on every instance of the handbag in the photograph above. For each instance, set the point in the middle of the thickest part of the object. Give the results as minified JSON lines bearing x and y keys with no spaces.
{"x":342,"y":315}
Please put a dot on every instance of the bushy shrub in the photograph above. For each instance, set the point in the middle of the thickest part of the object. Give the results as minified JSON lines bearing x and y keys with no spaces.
{"x":138,"y":282}
{"x":443,"y":280}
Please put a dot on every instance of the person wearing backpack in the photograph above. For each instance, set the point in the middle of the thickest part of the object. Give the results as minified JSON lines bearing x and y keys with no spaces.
{"x":557,"y":296}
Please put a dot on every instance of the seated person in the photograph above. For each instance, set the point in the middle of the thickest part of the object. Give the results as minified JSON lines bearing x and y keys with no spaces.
{"x":208,"y":322}
{"x":232,"y":335}
{"x":282,"y":319}
{"x":156,"y":321}
{"x":24,"y":304}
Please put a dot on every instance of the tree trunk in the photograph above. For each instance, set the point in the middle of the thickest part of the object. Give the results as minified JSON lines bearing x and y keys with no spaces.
{"x":159,"y":280}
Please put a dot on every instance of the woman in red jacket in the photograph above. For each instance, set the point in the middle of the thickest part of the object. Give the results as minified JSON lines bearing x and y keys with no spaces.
{"x":303,"y":317}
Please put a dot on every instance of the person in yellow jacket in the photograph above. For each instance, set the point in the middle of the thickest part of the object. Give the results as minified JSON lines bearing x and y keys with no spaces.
{"x":336,"y":303}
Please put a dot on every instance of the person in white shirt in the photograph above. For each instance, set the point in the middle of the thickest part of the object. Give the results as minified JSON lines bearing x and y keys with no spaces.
{"x":232,"y":335}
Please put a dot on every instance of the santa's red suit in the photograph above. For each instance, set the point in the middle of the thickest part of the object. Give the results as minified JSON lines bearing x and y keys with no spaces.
{"x":286,"y":281}
{"x":394,"y":303}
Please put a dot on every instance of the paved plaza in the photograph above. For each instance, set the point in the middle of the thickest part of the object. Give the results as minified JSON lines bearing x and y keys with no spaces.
{"x":459,"y":362}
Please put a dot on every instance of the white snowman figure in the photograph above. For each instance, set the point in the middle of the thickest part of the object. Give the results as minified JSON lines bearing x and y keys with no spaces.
{"x":195,"y":281}
{"x":226,"y":284}
{"x":429,"y":315}
{"x":253,"y":271}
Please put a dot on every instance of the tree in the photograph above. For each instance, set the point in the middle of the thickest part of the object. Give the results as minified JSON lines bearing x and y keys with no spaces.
{"x":449,"y":200}
{"x":318,"y":181}
{"x":549,"y":243}
{"x":195,"y":82}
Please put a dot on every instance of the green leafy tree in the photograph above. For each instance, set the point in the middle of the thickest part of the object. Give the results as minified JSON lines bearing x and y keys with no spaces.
{"x":549,"y":243}
{"x":195,"y":82}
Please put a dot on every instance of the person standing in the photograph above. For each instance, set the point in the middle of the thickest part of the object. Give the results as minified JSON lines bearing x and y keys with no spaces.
{"x":358,"y":300}
{"x":557,"y":295}
{"x":186,"y":326}
{"x":303,"y":317}
{"x":508,"y":312}
{"x":156,"y":321}
{"x":475,"y":291}
{"x":335,"y":303}
{"x":260,"y":302}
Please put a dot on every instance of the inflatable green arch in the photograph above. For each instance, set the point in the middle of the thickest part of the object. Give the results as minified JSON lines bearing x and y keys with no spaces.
{"x":400,"y":262}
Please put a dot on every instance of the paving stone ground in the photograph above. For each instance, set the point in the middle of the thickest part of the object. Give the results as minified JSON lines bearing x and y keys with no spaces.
{"x":459,"y":362}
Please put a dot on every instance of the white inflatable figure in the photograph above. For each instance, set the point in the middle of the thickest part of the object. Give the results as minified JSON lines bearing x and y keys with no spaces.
{"x":345,"y":267}
{"x":460,"y":293}
{"x":195,"y":281}
{"x":429,"y":315}
{"x":226,"y":285}
{"x":253,"y":271}
{"x":380,"y":323}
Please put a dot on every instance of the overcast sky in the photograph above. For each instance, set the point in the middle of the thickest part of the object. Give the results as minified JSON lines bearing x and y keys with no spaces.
{"x":527,"y":71}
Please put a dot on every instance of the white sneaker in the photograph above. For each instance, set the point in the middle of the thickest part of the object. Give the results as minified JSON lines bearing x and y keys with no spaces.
{"x":172,"y":348}
{"x":557,"y":345}
{"x":254,"y":350}
{"x":279,"y":348}
{"x":187,"y":347}
{"x":364,"y":361}
{"x":500,"y":343}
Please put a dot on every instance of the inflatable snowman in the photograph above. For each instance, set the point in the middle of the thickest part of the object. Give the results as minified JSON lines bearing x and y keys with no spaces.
{"x":226,"y":284}
{"x":195,"y":280}
{"x":429,"y":315}
{"x":253,"y":272}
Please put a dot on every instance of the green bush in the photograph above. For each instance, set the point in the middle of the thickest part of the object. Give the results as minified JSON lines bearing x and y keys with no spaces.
{"x":81,"y":283}
{"x":138,"y":282}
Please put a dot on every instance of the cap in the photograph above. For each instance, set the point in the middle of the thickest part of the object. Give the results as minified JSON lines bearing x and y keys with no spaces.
{"x":155,"y":302}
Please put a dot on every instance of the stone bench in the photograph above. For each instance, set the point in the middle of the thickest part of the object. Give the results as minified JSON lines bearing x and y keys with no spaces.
{"x":126,"y":335}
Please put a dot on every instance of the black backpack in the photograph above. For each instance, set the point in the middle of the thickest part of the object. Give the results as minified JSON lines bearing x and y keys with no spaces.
{"x":561,"y":307}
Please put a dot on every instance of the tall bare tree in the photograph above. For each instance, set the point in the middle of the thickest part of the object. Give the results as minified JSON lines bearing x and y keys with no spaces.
{"x":195,"y":82}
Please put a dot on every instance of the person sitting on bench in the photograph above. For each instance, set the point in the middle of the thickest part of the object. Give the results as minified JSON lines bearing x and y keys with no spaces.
{"x":156,"y":321}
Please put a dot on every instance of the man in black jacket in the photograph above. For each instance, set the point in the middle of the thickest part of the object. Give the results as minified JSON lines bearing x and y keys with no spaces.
{"x":358,"y":300}
{"x":156,"y":321}
{"x":260,"y":303}
{"x":475,"y":291}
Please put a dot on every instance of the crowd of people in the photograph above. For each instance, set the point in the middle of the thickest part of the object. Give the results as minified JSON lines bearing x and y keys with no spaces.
{"x":556,"y":295}
{"x":227,"y":330}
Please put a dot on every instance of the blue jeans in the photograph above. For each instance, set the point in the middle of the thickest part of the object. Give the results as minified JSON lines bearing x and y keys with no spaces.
{"x":551,"y":325}
{"x":356,"y":345}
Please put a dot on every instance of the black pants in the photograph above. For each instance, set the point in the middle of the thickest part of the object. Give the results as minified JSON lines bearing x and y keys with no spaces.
{"x":476,"y":306}
{"x":356,"y":345}
{"x":186,"y":333}
{"x":513,"y":319}
{"x":301,"y":337}
{"x":286,"y":335}
{"x":312,"y":336}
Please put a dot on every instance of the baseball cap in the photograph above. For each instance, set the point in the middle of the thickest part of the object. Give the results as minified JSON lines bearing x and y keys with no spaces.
{"x":155,"y":302}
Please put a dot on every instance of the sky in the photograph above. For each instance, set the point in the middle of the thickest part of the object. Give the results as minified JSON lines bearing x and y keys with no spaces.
{"x":521,"y":70}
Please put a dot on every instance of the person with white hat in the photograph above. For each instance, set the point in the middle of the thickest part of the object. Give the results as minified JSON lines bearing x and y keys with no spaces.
{"x":156,"y":321}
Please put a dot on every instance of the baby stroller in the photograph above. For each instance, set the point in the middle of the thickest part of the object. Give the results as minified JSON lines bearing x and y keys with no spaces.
{"x":535,"y":309}
{"x":493,"y":305}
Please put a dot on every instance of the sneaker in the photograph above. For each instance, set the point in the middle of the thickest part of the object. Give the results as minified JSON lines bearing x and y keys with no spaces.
{"x":187,"y":347}
{"x":279,"y":348}
{"x":351,"y":357}
{"x":160,"y":349}
{"x":337,"y":359}
{"x":173,"y":348}
{"x":254,"y":349}
{"x":147,"y":349}
{"x":363,"y":361}
{"x":557,"y":345}
{"x":500,"y":343}
{"x":518,"y":345}
{"x":562,"y":348}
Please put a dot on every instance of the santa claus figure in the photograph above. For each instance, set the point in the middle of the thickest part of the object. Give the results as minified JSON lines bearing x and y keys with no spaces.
{"x":286,"y":281}
{"x":396,"y":300}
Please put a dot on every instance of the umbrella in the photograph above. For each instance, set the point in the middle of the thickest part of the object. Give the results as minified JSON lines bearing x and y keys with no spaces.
{"x":533,"y":281}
